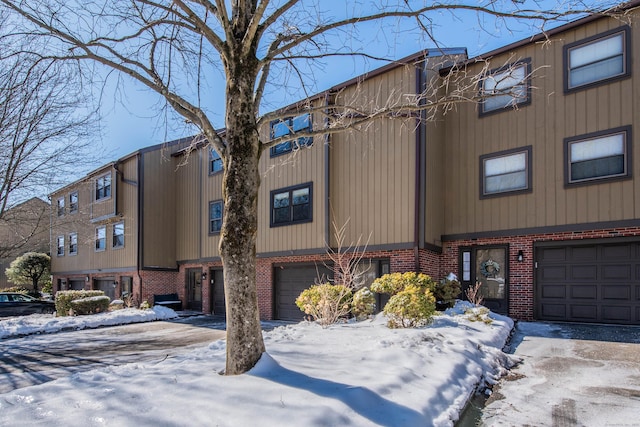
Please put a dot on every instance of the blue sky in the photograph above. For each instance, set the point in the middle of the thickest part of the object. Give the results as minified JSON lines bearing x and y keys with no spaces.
{"x":131,"y":120}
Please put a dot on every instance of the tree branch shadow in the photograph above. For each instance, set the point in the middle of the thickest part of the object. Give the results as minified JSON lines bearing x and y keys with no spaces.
{"x":361,"y":400}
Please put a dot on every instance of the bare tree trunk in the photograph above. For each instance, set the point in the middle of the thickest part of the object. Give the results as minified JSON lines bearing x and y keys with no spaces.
{"x":238,"y":235}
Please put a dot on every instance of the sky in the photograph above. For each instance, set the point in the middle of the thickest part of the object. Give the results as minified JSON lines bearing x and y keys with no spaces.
{"x":130,"y":119}
{"x":351,"y":374}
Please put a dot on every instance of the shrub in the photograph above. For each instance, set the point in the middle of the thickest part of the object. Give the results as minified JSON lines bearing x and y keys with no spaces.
{"x":411,"y":307}
{"x":396,"y":282}
{"x":325,"y":303}
{"x":64,"y":298}
{"x":116,"y":304}
{"x":18,"y":289}
{"x":479,"y":314}
{"x":364,"y":303}
{"x":445,"y":292}
{"x":145,"y":305}
{"x":90,"y":305}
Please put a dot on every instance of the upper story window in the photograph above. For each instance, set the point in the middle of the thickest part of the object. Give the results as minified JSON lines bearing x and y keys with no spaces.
{"x":60,"y":206}
{"x":73,"y":244}
{"x":505,"y":172}
{"x":506,"y":87}
{"x":103,"y":187}
{"x":60,"y":244}
{"x":215,"y":216}
{"x":215,"y":162}
{"x":73,"y":202}
{"x":101,"y":238}
{"x":118,"y":235}
{"x":290,"y":126}
{"x":597,"y":59}
{"x":599,"y":156}
{"x":292,"y":205}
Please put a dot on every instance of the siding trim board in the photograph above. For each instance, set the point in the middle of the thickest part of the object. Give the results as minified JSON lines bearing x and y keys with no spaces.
{"x":606,"y":226}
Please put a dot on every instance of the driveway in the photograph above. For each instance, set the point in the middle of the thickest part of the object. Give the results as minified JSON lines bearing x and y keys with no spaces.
{"x":37,"y":359}
{"x":570,"y":375}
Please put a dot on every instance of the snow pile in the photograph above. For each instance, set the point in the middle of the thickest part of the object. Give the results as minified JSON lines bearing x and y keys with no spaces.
{"x":355,"y":374}
{"x":46,"y":324}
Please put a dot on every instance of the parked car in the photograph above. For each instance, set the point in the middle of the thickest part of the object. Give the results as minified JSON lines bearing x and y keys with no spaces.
{"x":17,"y":304}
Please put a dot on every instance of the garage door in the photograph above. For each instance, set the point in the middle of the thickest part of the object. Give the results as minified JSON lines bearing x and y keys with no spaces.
{"x":598,"y":283}
{"x":106,"y":285}
{"x":290,"y":281}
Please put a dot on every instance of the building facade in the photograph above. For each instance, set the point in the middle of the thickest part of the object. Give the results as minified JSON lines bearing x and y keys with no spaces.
{"x":529,"y":187}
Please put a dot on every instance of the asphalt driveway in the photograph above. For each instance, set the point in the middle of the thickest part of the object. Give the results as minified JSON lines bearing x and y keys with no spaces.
{"x":570,"y":375}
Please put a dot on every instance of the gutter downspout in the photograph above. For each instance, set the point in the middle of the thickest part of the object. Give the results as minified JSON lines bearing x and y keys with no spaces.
{"x":140,"y":225}
{"x":327,"y":174}
{"x":420,"y":135}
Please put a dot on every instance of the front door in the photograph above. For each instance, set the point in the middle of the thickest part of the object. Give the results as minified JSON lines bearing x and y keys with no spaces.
{"x":488,"y":266}
{"x":217,"y":293}
{"x":194,"y":289}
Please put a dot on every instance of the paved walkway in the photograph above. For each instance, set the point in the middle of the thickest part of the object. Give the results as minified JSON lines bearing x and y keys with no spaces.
{"x":570,"y":375}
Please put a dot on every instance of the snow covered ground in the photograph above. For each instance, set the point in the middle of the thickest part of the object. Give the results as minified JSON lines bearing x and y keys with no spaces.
{"x":355,"y":374}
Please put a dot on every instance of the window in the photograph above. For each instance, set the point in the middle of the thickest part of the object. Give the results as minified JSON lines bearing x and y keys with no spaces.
{"x":291,"y":205}
{"x":215,"y":217}
{"x":505,"y":172}
{"x":506,"y":87}
{"x":289,"y":126}
{"x":598,"y":156}
{"x":215,"y":162}
{"x":73,"y":244}
{"x":103,"y":187}
{"x":60,"y":241}
{"x":60,"y":205}
{"x":118,"y":235}
{"x":597,"y":59}
{"x":101,"y":238}
{"x":73,"y":202}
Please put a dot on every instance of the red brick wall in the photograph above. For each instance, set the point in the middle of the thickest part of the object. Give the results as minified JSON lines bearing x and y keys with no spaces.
{"x":159,"y":282}
{"x":521,"y":274}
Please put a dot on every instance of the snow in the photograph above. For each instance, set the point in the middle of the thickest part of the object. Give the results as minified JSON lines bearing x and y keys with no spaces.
{"x":47,"y":324}
{"x":352,"y":374}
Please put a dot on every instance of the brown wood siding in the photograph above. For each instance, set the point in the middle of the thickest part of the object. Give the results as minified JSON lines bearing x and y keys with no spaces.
{"x":373,"y":169}
{"x":551,"y":117}
{"x":159,"y":212}
{"x":299,"y":167}
{"x":188,"y":175}
{"x":125,"y":188}
{"x":211,"y":192}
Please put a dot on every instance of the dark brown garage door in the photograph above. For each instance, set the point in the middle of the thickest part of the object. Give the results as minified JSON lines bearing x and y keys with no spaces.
{"x":598,"y":283}
{"x":290,"y":281}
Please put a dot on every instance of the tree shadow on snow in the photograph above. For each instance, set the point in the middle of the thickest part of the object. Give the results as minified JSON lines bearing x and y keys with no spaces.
{"x":361,"y":400}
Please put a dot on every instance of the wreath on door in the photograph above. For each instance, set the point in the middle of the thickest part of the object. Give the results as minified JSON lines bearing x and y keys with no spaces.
{"x":489,"y":268}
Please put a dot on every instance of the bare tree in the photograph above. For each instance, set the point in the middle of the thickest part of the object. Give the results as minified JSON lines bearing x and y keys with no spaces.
{"x":171,"y":47}
{"x":45,"y":128}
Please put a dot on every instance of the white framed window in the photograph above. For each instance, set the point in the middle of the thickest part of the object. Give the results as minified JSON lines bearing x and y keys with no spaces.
{"x":598,"y":156}
{"x":73,"y":243}
{"x":597,"y":59}
{"x":118,"y":235}
{"x":73,"y":202}
{"x":60,"y":206}
{"x":292,"y":205}
{"x":60,"y":246}
{"x":215,"y":216}
{"x":505,"y":172}
{"x":506,"y":87}
{"x":288,"y":126}
{"x":103,"y":187}
{"x":101,"y":238}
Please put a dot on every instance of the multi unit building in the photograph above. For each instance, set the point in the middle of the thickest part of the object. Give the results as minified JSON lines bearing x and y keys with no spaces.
{"x":529,"y":187}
